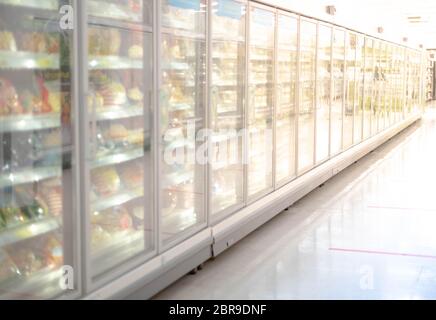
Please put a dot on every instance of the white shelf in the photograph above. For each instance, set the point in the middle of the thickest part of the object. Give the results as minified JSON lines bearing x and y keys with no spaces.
{"x":113,"y":63}
{"x":179,"y":66}
{"x":36,"y":4}
{"x":118,"y":199}
{"x":29,"y":175}
{"x":27,"y":231}
{"x":30,"y":122}
{"x":115,"y":113}
{"x":118,"y":158}
{"x":28,"y":60}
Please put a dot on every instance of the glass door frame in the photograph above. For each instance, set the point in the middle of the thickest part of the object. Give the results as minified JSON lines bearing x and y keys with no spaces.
{"x":306,"y":169}
{"x":348,"y":35}
{"x":341,"y":148}
{"x":89,"y":281}
{"x":255,"y":197}
{"x":213,"y":219}
{"x":332,"y":28}
{"x":159,"y":176}
{"x":360,"y":84}
{"x":278,"y":184}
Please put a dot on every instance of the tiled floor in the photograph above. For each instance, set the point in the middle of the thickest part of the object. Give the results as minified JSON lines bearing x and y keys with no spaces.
{"x":369,"y":233}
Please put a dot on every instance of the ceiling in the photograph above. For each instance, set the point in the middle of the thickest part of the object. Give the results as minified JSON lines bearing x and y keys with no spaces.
{"x":413,"y":19}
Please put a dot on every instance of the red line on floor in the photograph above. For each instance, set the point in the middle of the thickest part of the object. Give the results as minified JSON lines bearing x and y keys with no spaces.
{"x":384,"y":253}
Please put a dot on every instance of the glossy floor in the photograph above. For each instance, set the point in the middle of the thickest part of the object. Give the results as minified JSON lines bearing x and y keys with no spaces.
{"x":368,"y":233}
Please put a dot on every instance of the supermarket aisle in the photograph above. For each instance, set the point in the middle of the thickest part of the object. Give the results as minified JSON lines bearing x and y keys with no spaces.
{"x":367,"y":234}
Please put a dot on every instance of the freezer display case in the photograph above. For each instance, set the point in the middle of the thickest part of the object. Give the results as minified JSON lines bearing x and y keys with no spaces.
{"x":261,"y":100}
{"x":338,"y":85}
{"x":182,"y":118}
{"x":227,"y":105}
{"x":37,"y":154}
{"x":350,"y":89}
{"x":119,"y":156}
{"x":287,"y":54}
{"x":324,"y":93}
{"x":307,"y":100}
{"x":368,"y":88}
{"x":359,"y":106}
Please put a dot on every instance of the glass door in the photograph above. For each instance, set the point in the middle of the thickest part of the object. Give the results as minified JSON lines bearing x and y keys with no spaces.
{"x":383,"y":87}
{"x":338,"y":70}
{"x":306,"y":107}
{"x":37,"y":155}
{"x":182,"y":108}
{"x":368,"y":87}
{"x":286,"y":89}
{"x":119,"y":155}
{"x":400,"y":83}
{"x":376,"y":110}
{"x":390,"y":106}
{"x":261,"y":100}
{"x":350,"y":89}
{"x":359,"y":94}
{"x":227,"y":105}
{"x":323,"y":104}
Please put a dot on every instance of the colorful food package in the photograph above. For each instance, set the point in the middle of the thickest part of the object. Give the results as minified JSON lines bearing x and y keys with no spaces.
{"x":13,"y":216}
{"x":106,"y":181}
{"x":39,"y":42}
{"x":116,"y":132}
{"x":51,"y":192}
{"x":113,"y":93}
{"x":9,"y":102}
{"x":104,"y":42}
{"x":7,"y":41}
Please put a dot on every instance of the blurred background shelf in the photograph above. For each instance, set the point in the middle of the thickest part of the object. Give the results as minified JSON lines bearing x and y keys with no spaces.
{"x":118,"y":158}
{"x":113,"y":63}
{"x":120,"y":198}
{"x":29,"y":60}
{"x":30,"y":122}
{"x":29,"y":175}
{"x":114,"y":113}
{"x":27,"y":231}
{"x":36,"y":4}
